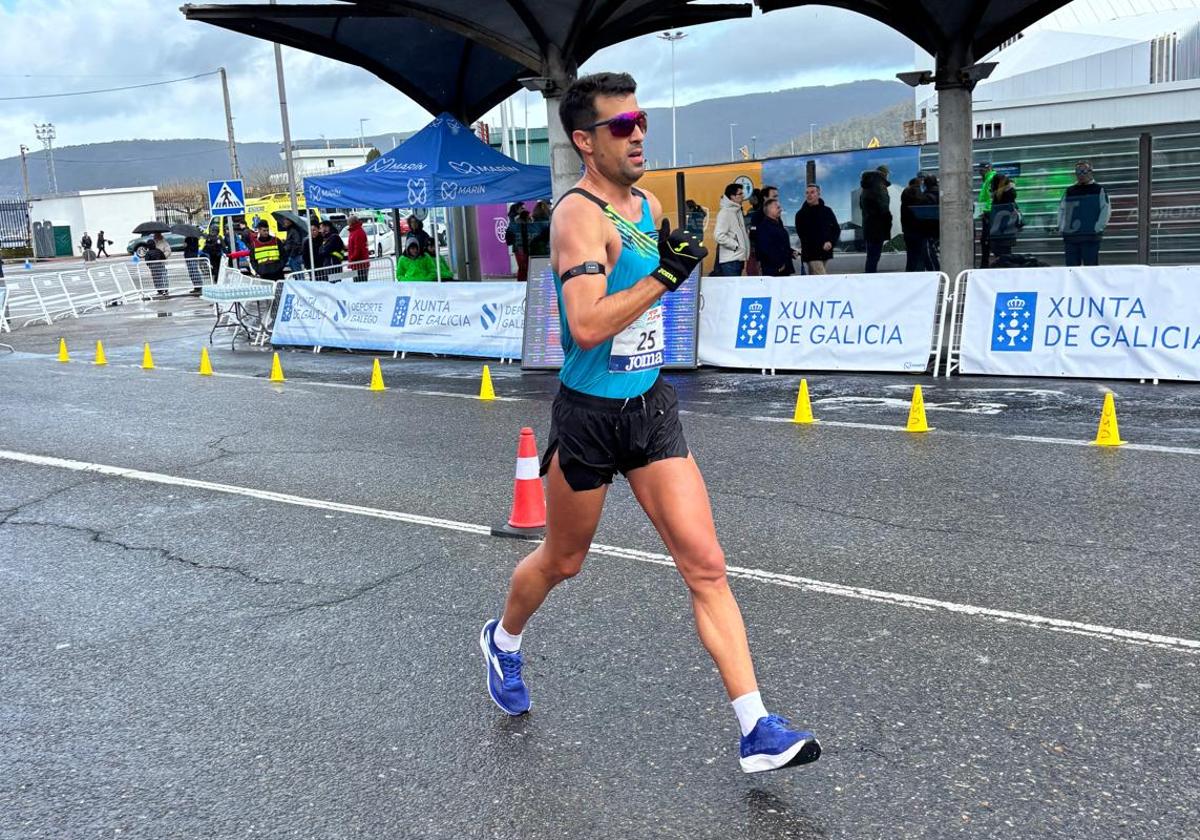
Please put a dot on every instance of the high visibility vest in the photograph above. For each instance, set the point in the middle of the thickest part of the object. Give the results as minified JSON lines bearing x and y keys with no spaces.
{"x":266,"y":251}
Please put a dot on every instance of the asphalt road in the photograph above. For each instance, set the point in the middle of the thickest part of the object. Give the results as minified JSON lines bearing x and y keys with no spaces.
{"x":993,"y":629}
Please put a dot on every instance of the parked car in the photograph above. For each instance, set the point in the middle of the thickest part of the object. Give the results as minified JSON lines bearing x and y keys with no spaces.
{"x":139,"y":244}
{"x":380,"y":238}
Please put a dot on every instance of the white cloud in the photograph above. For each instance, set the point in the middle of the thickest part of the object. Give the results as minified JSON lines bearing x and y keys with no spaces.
{"x":61,"y":45}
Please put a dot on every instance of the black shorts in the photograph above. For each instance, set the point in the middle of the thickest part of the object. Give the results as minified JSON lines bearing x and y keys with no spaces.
{"x":597,"y":437}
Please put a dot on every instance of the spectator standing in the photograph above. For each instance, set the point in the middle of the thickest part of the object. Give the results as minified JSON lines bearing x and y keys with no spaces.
{"x":753,"y":219}
{"x":162,"y":244}
{"x":214,"y":249}
{"x":733,"y":240}
{"x":773,"y":242}
{"x":817,"y":229}
{"x":156,"y":260}
{"x":539,"y":238}
{"x":417,"y":228}
{"x":876,"y":205}
{"x":914,"y":242}
{"x":984,"y":208}
{"x":695,"y":218}
{"x":517,"y":236}
{"x":929,"y":217}
{"x":310,"y":255}
{"x":293,"y":245}
{"x":1082,"y":217}
{"x":85,"y":246}
{"x":191,"y":253}
{"x":266,"y":253}
{"x":358,"y":251}
{"x":101,"y":242}
{"x":332,"y":253}
{"x":1005,"y":217}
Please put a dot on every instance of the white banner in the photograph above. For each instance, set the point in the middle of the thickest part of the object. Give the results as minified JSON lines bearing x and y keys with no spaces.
{"x":461,"y":319}
{"x":872,"y":322}
{"x":1119,"y":322}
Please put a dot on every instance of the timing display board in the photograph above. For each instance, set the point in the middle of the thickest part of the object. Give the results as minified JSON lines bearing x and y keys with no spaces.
{"x":542,"y":346}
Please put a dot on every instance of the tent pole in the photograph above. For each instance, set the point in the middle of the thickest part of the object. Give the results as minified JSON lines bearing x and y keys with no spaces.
{"x":437,"y":249}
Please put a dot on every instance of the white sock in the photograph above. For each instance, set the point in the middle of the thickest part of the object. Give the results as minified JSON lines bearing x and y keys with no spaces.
{"x":749,"y":708}
{"x":505,"y":640}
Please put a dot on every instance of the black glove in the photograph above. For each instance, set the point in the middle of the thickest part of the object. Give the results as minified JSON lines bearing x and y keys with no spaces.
{"x":679,"y":252}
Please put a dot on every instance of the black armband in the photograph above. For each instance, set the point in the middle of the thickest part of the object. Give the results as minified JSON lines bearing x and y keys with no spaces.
{"x":585,"y":268}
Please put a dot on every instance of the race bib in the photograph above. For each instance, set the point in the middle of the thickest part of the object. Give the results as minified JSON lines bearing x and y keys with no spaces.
{"x":639,"y":346}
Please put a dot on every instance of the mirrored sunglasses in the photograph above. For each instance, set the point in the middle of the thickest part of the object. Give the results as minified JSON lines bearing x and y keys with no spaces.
{"x":622,"y":125}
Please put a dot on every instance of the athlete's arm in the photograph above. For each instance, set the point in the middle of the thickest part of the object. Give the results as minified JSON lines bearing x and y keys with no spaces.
{"x":577,"y":235}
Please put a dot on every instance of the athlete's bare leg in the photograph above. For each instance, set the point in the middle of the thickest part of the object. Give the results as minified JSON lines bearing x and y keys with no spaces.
{"x":673,"y":494}
{"x":571,"y":520}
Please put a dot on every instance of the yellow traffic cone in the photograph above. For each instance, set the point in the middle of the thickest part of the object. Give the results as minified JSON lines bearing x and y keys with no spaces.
{"x":1108,"y":434}
{"x":276,"y":370}
{"x":486,"y":391}
{"x":101,"y":359}
{"x":803,"y":413}
{"x":377,"y":378}
{"x":916,"y":413}
{"x":147,"y":359}
{"x":63,"y":355}
{"x":205,"y":364}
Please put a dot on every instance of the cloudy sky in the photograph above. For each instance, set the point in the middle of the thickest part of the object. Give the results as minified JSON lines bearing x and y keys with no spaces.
{"x":54,"y":46}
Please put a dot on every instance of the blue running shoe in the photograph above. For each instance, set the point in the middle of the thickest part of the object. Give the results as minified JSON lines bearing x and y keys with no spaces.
{"x":504,"y":674}
{"x":772,"y":745}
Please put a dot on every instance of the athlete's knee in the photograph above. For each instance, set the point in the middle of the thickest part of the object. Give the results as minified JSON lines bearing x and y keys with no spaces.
{"x":703,"y":568}
{"x":563,"y":564}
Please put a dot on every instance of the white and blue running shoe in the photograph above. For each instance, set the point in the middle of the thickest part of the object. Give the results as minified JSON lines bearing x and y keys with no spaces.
{"x":771,"y":745}
{"x":504,"y":674}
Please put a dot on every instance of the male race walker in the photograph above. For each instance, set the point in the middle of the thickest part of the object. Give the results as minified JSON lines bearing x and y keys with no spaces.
{"x":614,"y":413}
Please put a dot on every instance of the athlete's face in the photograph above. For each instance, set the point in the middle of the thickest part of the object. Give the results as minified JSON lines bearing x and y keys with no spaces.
{"x":621,"y":159}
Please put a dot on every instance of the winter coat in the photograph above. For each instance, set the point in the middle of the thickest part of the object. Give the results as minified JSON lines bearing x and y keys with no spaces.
{"x":293,"y":245}
{"x":733,"y":240}
{"x":875,"y":204}
{"x":910,"y":198}
{"x":266,"y":257}
{"x":357,"y":248}
{"x":191,"y":248}
{"x":332,"y":251}
{"x":421,"y":267}
{"x":1083,"y":213}
{"x":1004,"y":215}
{"x":984,"y":204}
{"x":929,"y":214}
{"x":816,"y":224}
{"x":773,"y":245}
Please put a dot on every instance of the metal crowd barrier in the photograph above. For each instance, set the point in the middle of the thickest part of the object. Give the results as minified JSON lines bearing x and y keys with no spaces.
{"x":49,"y":297}
{"x":375,"y":269}
{"x":953,"y":305}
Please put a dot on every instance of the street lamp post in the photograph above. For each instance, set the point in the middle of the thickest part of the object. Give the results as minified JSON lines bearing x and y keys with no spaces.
{"x":811,"y":126}
{"x":673,"y":37}
{"x":731,"y":125}
{"x":753,"y":147}
{"x":46,"y":133}
{"x":362,"y":142}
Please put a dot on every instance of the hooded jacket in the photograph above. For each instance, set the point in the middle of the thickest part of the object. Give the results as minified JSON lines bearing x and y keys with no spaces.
{"x":733,"y":240}
{"x":816,"y":224}
{"x":357,"y":248}
{"x":876,"y":206}
{"x":421,"y":267}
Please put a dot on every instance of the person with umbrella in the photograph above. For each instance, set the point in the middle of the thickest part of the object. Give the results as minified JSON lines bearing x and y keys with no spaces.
{"x":293,"y":244}
{"x":191,"y":253}
{"x":155,"y":255}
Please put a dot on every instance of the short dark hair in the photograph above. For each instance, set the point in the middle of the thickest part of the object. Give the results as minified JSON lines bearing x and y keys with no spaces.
{"x":578,"y":106}
{"x":766,"y":190}
{"x":733,"y":189}
{"x":769,"y":202}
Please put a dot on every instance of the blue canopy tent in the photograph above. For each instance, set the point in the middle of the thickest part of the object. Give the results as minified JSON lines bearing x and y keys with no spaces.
{"x":442,"y":165}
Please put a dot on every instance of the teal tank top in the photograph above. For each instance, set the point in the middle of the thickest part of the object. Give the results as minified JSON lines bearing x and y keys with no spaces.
{"x":587,"y":370}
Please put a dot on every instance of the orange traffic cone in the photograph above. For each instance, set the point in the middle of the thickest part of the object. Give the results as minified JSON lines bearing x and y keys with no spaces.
{"x":528,"y":516}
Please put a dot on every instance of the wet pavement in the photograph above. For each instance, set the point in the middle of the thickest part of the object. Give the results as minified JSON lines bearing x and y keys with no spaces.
{"x":993,"y":627}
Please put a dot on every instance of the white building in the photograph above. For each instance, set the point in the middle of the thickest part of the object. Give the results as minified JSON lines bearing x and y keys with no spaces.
{"x":1082,"y":69}
{"x":117,"y":212}
{"x":322,"y":162}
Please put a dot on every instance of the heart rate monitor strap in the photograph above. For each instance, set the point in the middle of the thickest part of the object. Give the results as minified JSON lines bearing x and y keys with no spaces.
{"x":584,"y":268}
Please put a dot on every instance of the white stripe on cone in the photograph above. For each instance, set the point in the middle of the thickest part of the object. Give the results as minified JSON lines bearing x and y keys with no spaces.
{"x":527,"y":468}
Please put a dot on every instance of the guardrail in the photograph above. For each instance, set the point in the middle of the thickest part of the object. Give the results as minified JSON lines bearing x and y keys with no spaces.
{"x":374,"y":269}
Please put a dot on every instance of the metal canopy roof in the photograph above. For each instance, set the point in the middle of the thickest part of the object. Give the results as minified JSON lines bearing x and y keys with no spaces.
{"x":460,"y":56}
{"x":941,"y":26}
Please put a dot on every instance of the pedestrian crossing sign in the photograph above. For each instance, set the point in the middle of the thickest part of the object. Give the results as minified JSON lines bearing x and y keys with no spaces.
{"x":226,"y":198}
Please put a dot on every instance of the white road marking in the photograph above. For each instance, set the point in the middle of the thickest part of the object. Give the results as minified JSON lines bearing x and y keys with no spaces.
{"x":859,"y":593}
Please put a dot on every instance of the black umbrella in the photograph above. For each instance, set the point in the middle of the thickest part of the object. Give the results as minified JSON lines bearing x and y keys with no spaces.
{"x":183,"y":229}
{"x":152,"y":227}
{"x":295,"y":218}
